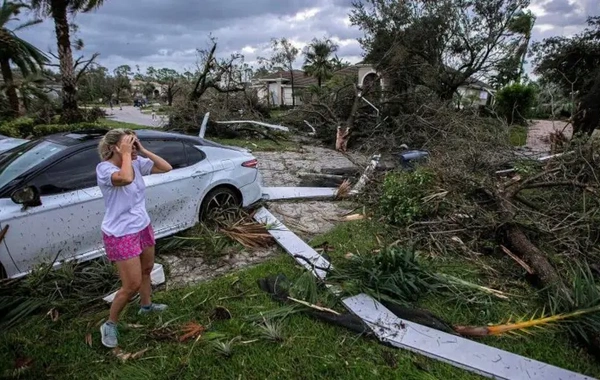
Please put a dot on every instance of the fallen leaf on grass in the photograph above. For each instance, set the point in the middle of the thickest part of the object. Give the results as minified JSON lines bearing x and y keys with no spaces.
{"x":53,"y":314}
{"x":88,"y":340}
{"x":23,"y":363}
{"x":220,"y":314}
{"x":124,"y":356}
{"x":191,"y":330}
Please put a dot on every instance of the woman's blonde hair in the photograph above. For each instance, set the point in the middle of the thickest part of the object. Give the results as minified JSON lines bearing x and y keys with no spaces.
{"x":110,"y":140}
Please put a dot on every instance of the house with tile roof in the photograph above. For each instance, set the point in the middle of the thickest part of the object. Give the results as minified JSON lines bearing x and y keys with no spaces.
{"x":275,"y":89}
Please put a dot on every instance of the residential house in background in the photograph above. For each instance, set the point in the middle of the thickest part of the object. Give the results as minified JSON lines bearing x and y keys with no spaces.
{"x":275,"y":89}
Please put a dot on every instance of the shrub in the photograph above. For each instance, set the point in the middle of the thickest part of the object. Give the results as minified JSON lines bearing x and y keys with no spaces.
{"x":403,"y":192}
{"x":515,"y":102}
{"x":21,"y":127}
{"x":49,"y":129}
{"x":92,"y":115}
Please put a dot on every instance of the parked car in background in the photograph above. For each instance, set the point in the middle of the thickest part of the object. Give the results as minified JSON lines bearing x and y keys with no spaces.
{"x":51,"y":207}
{"x":7,"y":143}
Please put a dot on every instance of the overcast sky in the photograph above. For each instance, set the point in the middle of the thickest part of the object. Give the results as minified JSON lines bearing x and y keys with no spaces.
{"x":166,"y":33}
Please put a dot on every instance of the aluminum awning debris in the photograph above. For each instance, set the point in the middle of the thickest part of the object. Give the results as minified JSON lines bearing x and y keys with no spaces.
{"x":366,"y":176}
{"x":452,"y":349}
{"x":460,"y":352}
{"x":203,"y":126}
{"x":272,"y":126}
{"x":304,"y":254}
{"x":280,"y":193}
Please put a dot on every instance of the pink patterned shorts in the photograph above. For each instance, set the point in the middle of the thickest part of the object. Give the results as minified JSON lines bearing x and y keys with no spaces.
{"x":128,"y":246}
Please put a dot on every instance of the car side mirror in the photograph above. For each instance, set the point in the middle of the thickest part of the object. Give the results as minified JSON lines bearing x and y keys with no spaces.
{"x":27,"y":196}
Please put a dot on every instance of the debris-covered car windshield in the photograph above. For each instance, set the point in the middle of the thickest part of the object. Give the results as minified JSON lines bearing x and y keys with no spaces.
{"x":17,"y":161}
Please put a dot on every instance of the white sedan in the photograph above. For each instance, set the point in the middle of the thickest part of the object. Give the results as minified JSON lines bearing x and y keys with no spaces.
{"x":51,"y":207}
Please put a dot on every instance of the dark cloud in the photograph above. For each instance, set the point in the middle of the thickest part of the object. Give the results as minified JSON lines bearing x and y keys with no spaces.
{"x":166,"y":33}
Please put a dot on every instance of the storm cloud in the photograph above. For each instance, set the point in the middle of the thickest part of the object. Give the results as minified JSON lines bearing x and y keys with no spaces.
{"x":167,"y":33}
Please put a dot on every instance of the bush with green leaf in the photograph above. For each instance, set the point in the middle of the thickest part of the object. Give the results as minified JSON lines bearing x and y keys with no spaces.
{"x":402,"y":201}
{"x":49,"y":129}
{"x":20,"y":127}
{"x":515,"y":102}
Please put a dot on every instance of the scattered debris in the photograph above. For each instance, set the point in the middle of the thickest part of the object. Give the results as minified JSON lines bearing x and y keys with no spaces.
{"x":125,"y":356}
{"x":344,"y":190}
{"x":225,"y":348}
{"x":366,"y":176}
{"x":271,"y":126}
{"x":517,"y":259}
{"x":314,"y":131}
{"x":203,"y":125}
{"x":53,"y":314}
{"x":191,"y":330}
{"x":271,"y":331}
{"x":220,"y":314}
{"x":88,"y":339}
{"x":475,"y":357}
{"x":295,"y":246}
{"x":400,"y":333}
{"x":281,"y":193}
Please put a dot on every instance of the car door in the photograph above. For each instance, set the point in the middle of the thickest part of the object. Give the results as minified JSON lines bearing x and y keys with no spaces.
{"x":61,"y":227}
{"x":172,"y":198}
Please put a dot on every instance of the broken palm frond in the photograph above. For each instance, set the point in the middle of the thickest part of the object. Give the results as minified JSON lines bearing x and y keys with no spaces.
{"x":523,"y":325}
{"x":305,"y":288}
{"x":316,"y":307}
{"x":72,"y":287}
{"x":191,"y":330}
{"x":239,"y":226}
{"x":344,"y":190}
{"x":124,"y":356}
{"x":393,"y":272}
{"x":455,"y":281}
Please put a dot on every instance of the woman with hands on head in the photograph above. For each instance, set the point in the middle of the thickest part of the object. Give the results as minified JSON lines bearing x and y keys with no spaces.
{"x":126,"y":228}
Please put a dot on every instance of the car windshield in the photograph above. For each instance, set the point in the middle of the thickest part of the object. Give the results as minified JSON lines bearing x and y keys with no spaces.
{"x":19,"y":160}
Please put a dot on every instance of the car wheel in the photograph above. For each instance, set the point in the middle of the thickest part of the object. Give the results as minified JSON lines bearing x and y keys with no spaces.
{"x":221,"y":198}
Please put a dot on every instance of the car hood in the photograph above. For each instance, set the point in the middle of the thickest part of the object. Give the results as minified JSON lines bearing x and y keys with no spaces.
{"x":9,"y":143}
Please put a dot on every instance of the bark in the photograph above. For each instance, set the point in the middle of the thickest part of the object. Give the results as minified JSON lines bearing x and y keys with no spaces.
{"x":11,"y":90}
{"x":293,"y":92}
{"x":71,"y":112}
{"x":343,"y":132}
{"x":587,"y":117}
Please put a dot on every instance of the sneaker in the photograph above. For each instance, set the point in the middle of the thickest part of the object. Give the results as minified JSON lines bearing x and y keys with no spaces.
{"x":153,"y":307}
{"x":109,"y":332}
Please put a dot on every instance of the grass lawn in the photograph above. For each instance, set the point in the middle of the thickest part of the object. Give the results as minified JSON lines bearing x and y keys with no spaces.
{"x":310,"y":349}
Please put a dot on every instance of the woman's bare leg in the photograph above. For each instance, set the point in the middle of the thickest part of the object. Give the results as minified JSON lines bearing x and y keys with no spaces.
{"x":130,"y":272}
{"x":147,"y":263}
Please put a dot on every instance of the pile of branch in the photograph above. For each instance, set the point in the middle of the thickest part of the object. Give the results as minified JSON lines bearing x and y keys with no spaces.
{"x":544,"y":215}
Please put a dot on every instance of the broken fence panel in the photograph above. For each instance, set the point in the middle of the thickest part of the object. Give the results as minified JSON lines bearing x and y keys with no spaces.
{"x":272,"y":126}
{"x":464,"y":353}
{"x":303,"y":253}
{"x":280,"y":193}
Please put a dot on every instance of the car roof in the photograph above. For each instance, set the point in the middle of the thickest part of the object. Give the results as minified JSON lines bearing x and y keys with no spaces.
{"x":91,"y":136}
{"x":85,"y":135}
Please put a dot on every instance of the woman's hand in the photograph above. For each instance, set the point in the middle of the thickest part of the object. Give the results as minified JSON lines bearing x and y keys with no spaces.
{"x":140,"y":147}
{"x":125,"y":147}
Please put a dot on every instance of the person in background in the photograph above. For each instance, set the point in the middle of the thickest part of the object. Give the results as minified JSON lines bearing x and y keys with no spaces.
{"x":126,"y":228}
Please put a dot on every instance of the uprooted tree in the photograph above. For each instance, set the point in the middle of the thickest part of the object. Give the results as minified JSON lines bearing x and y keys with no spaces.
{"x":440,"y":44}
{"x":573,"y":63}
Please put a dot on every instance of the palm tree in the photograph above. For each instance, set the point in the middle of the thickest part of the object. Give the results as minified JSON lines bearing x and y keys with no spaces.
{"x":59,"y":11}
{"x":14,"y":50}
{"x":317,"y":61}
